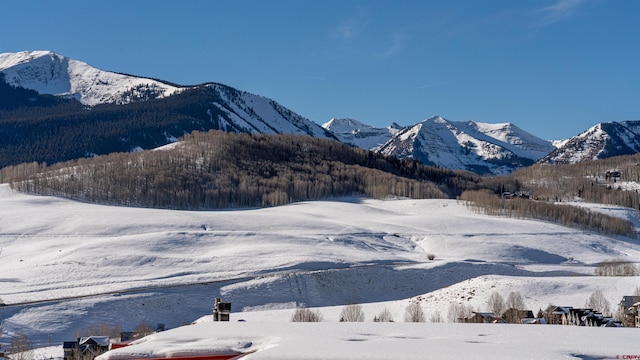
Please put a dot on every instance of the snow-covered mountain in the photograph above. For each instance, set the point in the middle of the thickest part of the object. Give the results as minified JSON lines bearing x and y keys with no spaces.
{"x":483,"y":148}
{"x":353,"y":132}
{"x":468,"y":145}
{"x":598,"y":142}
{"x":240,"y":111}
{"x":49,"y":73}
{"x":173,"y":110}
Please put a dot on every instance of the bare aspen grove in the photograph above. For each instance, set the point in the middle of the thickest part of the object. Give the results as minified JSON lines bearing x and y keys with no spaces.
{"x":218,"y":170}
{"x":223,"y":170}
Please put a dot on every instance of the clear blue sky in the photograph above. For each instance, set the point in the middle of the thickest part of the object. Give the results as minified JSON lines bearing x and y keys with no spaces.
{"x":552,"y":67}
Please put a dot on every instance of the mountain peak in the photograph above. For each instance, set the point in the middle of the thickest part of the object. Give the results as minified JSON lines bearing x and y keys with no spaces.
{"x":436,"y":119}
{"x":50,"y":73}
{"x":344,"y":124}
{"x":11,"y":59}
{"x":468,"y":145}
{"x":600,"y":141}
{"x":356,"y":133}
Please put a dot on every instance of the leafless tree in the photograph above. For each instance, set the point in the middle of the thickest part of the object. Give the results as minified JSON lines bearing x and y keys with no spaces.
{"x":485,"y":201}
{"x":20,"y":347}
{"x":495,"y":303}
{"x":414,"y":313}
{"x":306,"y":315}
{"x":436,"y":317}
{"x":143,"y":329}
{"x":352,"y":313}
{"x":598,"y":302}
{"x":616,"y":268}
{"x":101,"y":329}
{"x":384,"y":316}
{"x":458,"y":311}
{"x":515,"y":301}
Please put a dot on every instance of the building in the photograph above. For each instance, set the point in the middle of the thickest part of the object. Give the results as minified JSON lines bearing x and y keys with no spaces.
{"x":513,"y":315}
{"x":628,"y":312}
{"x":221,"y":310}
{"x":483,"y":318}
{"x":557,"y":315}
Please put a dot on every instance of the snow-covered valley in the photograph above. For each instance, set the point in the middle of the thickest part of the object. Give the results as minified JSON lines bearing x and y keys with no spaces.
{"x":65,"y":266}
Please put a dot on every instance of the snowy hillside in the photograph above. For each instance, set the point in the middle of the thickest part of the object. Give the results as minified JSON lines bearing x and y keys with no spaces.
{"x":65,"y":265}
{"x":468,"y":145}
{"x":353,"y":132}
{"x":49,"y":73}
{"x":337,"y":341}
{"x":601,"y":141}
{"x":241,"y":111}
{"x":138,"y":113}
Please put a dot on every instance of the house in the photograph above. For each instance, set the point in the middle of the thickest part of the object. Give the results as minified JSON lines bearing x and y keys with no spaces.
{"x":483,"y":318}
{"x":634,"y":310}
{"x":557,"y":315}
{"x":590,"y":317}
{"x":612,"y":175}
{"x":92,"y":346}
{"x":628,"y":312}
{"x":513,"y":315}
{"x":221,"y":310}
{"x":581,"y":317}
{"x":70,"y":349}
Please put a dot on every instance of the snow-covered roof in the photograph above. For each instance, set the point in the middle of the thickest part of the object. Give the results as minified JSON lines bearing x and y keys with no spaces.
{"x":99,"y":340}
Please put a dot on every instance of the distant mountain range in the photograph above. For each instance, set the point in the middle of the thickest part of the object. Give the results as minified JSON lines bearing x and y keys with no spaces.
{"x":355,"y":133}
{"x":468,"y":145}
{"x":143,"y":113}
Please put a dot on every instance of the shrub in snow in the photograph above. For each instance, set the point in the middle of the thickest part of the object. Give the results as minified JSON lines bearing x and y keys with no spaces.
{"x":414,"y":313}
{"x":383,"y":316}
{"x":306,"y":315}
{"x":436,"y":317}
{"x":352,"y":313}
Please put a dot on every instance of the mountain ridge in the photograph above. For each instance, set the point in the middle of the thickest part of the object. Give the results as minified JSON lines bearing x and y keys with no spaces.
{"x":458,"y":145}
{"x":600,"y":141}
{"x":353,"y":132}
{"x":467,"y":145}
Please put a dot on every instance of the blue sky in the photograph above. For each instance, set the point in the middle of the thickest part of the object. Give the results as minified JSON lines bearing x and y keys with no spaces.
{"x":552,"y":67}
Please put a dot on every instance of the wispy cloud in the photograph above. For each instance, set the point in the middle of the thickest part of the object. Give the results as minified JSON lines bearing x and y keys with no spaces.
{"x":353,"y":26}
{"x":395,"y":46}
{"x":435,"y":84}
{"x":561,"y":10}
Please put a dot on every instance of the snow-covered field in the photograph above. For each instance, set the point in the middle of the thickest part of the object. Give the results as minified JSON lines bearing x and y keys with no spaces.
{"x":65,"y":266}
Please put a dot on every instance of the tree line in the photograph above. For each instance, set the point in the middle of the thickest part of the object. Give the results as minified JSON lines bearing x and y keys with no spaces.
{"x":568,"y":215}
{"x":45,"y":128}
{"x":587,"y":180}
{"x":217,"y":169}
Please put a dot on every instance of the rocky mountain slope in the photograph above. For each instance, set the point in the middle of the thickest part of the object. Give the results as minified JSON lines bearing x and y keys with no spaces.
{"x":131,"y":113}
{"x":601,"y":141}
{"x":355,"y":133}
{"x":118,"y":113}
{"x":49,"y":73}
{"x":468,"y":145}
